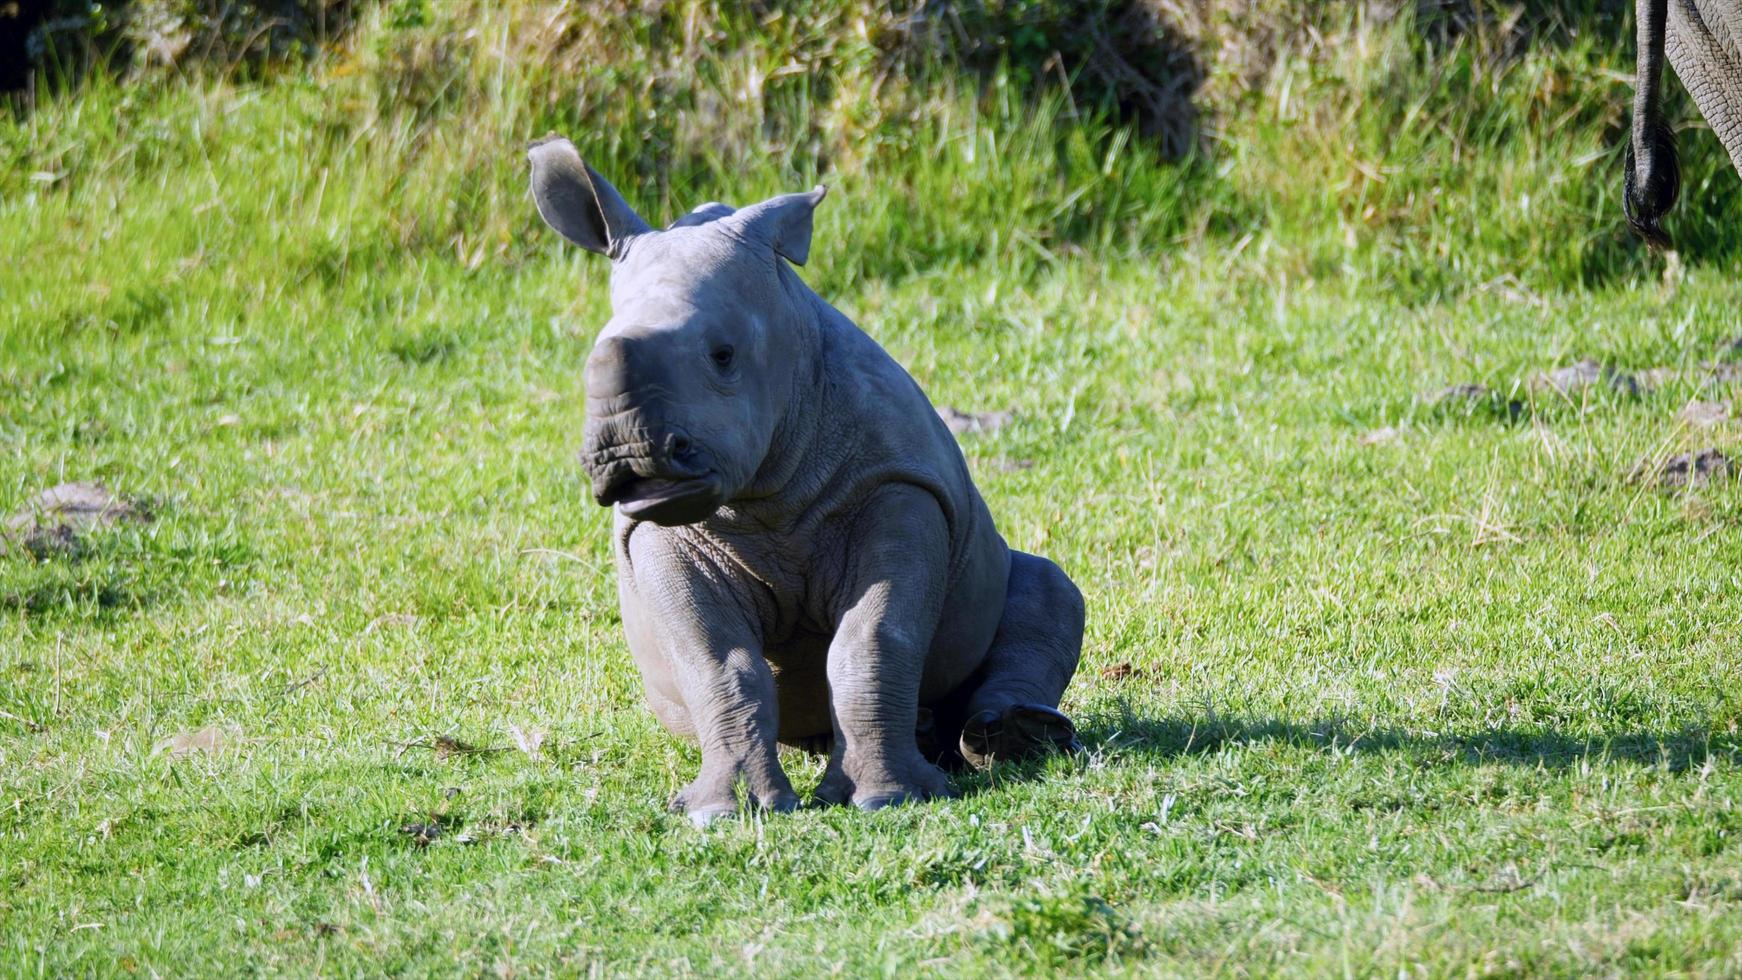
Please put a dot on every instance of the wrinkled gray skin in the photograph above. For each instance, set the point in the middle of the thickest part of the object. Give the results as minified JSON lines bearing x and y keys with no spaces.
{"x":801,"y":554}
{"x":1703,"y":39}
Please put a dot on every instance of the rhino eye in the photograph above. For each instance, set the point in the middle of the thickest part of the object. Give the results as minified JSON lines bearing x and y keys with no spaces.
{"x":723,"y":356}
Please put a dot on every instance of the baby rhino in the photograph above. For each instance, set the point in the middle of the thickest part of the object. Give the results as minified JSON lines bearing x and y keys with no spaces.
{"x":801,"y":554}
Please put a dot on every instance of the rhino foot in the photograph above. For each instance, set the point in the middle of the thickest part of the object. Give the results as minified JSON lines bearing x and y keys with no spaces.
{"x":919,"y":792}
{"x":919,"y":782}
{"x":1021,"y":731}
{"x":705,"y":803}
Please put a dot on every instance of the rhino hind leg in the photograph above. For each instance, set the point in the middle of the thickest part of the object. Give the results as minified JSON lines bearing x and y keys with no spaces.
{"x":1704,"y":44}
{"x":1009,"y":709}
{"x":1021,"y":731}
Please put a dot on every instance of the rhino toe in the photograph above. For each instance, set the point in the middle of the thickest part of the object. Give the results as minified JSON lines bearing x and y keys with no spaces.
{"x":880,"y":800}
{"x":778,"y":803}
{"x":707,"y":815}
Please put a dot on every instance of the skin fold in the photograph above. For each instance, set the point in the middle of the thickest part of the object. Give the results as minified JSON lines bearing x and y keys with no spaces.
{"x":802,"y":556}
{"x":1702,"y":40}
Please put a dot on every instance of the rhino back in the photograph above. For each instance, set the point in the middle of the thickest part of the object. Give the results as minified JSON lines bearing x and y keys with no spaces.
{"x":895,"y":435}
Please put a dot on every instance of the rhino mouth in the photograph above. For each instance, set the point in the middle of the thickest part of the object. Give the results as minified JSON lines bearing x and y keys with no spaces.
{"x":665,"y":500}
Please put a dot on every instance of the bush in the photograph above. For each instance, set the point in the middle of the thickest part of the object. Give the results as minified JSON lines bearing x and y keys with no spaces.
{"x":62,"y":40}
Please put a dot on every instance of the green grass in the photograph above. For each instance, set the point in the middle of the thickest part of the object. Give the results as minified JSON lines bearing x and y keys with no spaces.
{"x":1465,"y":701}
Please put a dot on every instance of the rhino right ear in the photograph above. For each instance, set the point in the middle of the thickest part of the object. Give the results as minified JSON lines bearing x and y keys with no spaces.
{"x":582,"y":206}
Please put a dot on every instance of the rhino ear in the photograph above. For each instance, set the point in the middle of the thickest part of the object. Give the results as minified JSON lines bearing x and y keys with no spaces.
{"x":783,"y":222}
{"x":582,"y":206}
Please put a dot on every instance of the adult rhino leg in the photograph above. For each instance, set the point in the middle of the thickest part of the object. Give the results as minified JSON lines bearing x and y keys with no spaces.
{"x":1705,"y":46}
{"x":1011,"y":708}
{"x":1653,"y":177}
{"x":711,"y":647}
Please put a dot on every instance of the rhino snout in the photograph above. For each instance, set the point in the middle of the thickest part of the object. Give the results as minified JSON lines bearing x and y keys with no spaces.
{"x":662,"y":476}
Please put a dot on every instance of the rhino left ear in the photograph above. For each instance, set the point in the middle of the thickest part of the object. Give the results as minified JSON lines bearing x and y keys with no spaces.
{"x":783,"y":222}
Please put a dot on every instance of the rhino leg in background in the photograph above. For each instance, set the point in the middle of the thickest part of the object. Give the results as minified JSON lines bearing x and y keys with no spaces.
{"x":892,"y":597}
{"x":1653,"y":175}
{"x":1010,"y":709}
{"x":706,"y":651}
{"x":1705,"y":46}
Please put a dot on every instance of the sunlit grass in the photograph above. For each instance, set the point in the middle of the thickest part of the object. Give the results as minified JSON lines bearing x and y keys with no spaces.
{"x":1461,"y":700}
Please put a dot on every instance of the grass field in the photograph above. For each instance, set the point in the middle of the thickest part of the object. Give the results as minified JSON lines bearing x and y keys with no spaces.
{"x":1372,"y":685}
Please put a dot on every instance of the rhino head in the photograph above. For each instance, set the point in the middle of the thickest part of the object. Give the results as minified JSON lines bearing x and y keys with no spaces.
{"x":701,"y":361}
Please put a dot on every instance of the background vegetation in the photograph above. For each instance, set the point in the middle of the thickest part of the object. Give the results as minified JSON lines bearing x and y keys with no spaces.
{"x":1375,"y":681}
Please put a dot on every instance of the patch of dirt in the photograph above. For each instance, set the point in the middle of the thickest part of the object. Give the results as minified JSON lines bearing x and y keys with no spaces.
{"x":1712,"y":373}
{"x":422,"y":834}
{"x":974,"y":423}
{"x":1704,"y":415}
{"x":1585,"y":374}
{"x":1460,"y":393}
{"x":1123,"y":671}
{"x":446,"y":747}
{"x":1379,"y":437}
{"x":1508,"y":288}
{"x":1685,"y":470}
{"x":53,"y":523}
{"x":207,"y":741}
{"x":392,"y":620}
{"x":1724,"y":373}
{"x":1471,"y":397}
{"x":1652,"y":379}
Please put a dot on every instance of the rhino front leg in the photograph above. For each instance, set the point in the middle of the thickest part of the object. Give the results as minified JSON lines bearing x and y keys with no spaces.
{"x":713,"y":652}
{"x":897,"y":573}
{"x":729,"y":699}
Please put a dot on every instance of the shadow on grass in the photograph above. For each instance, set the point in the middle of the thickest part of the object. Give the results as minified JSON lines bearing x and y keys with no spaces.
{"x":88,"y":577}
{"x":102,"y":574}
{"x":1168,"y":738}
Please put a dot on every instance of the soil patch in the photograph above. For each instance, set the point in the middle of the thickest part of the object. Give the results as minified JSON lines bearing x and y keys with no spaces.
{"x":1695,"y":469}
{"x":974,"y":423}
{"x":56,"y":521}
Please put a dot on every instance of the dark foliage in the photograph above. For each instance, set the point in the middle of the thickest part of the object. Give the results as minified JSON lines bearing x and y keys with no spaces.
{"x":58,"y":42}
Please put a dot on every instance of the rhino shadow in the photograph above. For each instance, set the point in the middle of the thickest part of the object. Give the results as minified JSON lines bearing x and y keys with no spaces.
{"x":1127,"y":734}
